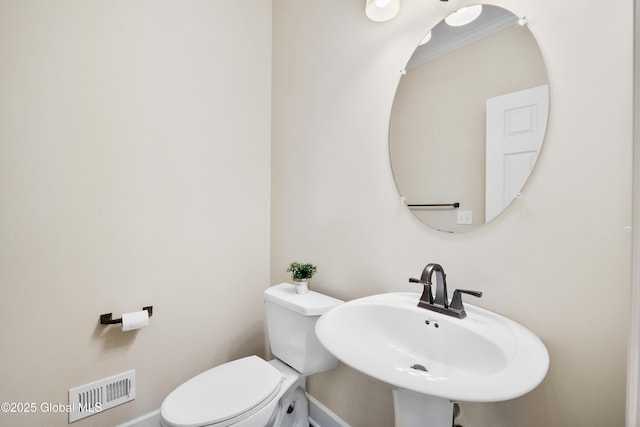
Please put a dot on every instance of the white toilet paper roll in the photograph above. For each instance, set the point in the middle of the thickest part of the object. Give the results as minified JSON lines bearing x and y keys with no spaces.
{"x":135,"y":320}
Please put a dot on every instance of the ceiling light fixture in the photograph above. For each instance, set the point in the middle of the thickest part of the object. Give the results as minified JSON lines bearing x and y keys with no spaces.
{"x":382,"y":10}
{"x":463,"y":16}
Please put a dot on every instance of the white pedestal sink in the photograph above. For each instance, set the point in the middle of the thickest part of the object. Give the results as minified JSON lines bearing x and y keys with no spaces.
{"x":431,"y":359}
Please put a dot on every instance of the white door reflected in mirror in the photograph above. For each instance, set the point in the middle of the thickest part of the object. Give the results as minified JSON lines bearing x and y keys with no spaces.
{"x":516,"y":124}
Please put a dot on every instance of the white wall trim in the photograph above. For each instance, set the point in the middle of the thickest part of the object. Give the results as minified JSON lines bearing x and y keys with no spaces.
{"x":321,"y":416}
{"x":151,"y":419}
{"x":430,"y":53}
{"x":633,"y":363}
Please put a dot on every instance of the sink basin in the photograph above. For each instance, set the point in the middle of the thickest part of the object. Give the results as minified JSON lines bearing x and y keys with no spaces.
{"x":482,"y":358}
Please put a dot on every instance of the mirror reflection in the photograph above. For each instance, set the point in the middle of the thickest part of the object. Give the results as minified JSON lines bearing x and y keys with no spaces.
{"x":468,"y":119}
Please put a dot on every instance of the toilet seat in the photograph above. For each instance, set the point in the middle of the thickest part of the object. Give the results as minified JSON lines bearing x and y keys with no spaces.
{"x":223,"y":395}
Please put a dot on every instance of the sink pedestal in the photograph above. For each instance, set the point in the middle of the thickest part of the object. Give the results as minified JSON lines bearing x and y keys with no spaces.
{"x":421,"y":410}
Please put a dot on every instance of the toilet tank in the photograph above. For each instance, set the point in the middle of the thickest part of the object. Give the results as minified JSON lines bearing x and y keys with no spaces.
{"x":291,"y":323}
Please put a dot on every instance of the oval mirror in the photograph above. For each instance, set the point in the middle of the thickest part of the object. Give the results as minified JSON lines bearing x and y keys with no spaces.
{"x":468,"y":119}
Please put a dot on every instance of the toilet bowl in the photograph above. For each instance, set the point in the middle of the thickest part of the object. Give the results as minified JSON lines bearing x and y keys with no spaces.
{"x":251,"y":392}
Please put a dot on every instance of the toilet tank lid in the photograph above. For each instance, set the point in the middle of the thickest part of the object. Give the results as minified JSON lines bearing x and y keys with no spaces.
{"x":309,"y":304}
{"x":222,"y":393}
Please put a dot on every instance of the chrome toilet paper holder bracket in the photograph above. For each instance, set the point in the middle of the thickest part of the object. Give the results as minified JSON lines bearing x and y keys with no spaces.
{"x":107,"y":318}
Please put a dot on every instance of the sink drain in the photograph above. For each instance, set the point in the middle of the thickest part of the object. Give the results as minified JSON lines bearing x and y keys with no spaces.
{"x":419,"y":367}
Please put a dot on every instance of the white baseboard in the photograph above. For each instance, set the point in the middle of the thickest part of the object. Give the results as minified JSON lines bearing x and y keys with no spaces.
{"x":152,"y":419}
{"x":319,"y":416}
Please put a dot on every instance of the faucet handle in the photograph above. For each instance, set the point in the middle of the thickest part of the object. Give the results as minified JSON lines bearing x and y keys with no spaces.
{"x":426,"y":296}
{"x":456,"y":301}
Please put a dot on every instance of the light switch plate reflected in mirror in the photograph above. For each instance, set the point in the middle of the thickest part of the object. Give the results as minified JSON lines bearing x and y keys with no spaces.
{"x":465,"y":217}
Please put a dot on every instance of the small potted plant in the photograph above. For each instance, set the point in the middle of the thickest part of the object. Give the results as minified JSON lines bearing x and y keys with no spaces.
{"x":301,"y":274}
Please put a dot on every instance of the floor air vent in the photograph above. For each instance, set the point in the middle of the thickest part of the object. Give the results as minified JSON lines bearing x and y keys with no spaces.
{"x":90,"y":399}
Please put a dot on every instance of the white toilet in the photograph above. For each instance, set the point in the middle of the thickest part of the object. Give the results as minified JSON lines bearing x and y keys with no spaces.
{"x":251,"y":392}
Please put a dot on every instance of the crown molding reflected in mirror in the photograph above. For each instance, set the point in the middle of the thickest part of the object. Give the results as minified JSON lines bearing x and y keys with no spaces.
{"x":468,"y":120}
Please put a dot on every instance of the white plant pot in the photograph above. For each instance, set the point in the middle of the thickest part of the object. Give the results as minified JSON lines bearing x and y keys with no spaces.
{"x":302,"y":287}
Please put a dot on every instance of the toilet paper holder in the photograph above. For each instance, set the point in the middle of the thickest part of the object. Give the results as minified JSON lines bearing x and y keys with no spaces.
{"x":107,"y":318}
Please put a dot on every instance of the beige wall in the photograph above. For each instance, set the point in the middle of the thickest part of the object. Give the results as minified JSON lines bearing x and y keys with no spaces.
{"x":437,"y":130}
{"x":134,"y":170}
{"x":558,"y":261}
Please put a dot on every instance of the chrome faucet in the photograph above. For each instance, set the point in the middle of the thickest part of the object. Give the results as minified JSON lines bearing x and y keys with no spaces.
{"x":441,"y":303}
